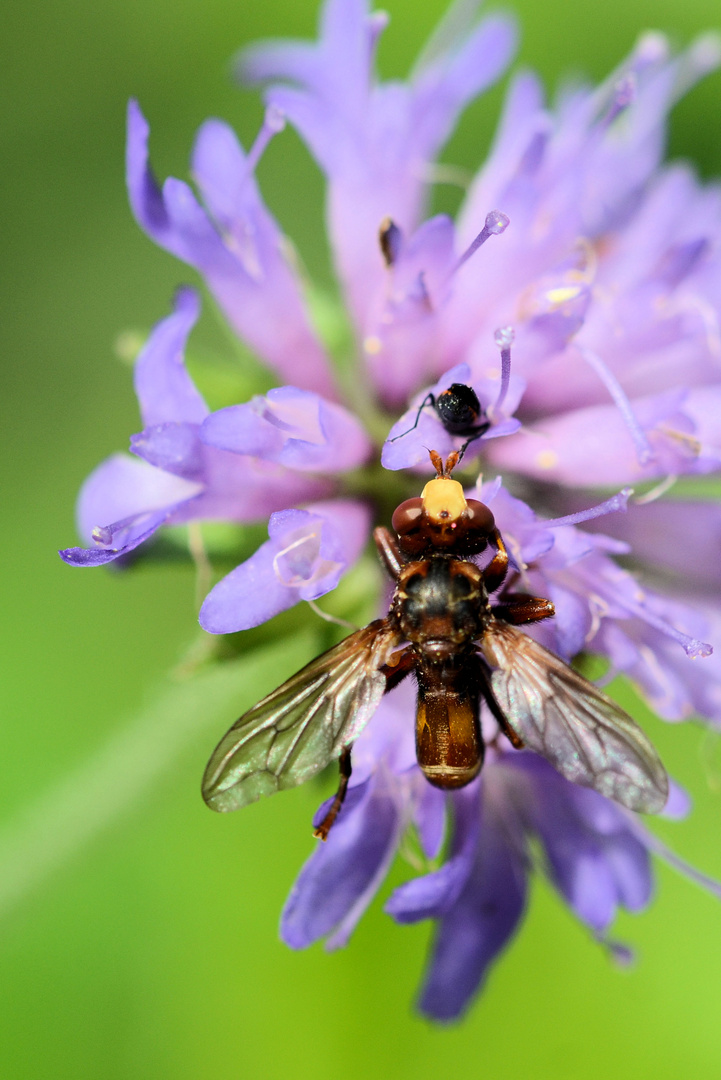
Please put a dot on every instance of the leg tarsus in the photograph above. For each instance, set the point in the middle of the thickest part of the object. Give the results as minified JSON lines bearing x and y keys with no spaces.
{"x":476,"y":435}
{"x":321,"y":831}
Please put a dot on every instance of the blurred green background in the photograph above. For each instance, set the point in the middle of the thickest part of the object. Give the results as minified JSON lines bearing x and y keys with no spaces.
{"x":138,"y":932}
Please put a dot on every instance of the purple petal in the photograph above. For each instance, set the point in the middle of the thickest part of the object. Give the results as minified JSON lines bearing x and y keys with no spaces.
{"x":247,"y":596}
{"x":176,"y":448}
{"x":122,"y":487}
{"x":658,"y":532}
{"x":593,"y":446}
{"x":243,"y":263}
{"x":429,"y":814}
{"x":240,"y":488}
{"x":166,"y":393}
{"x":293,"y":427}
{"x":516,"y":519}
{"x":678,"y":806}
{"x":407,"y":445}
{"x":572,"y":622}
{"x":401,"y":327}
{"x":373,"y":141}
{"x":340,"y":879}
{"x":594,"y":869}
{"x":478,"y":926}
{"x":117,"y":539}
{"x":304,"y":558}
{"x":433,"y":895}
{"x":444,"y":85}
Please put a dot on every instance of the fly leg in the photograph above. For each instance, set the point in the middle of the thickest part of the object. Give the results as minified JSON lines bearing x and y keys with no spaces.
{"x":388,"y":552}
{"x":497,"y":712}
{"x":399,"y":665}
{"x":522,"y":608}
{"x":472,"y":438}
{"x":429,"y":399}
{"x":321,"y":831}
{"x":494,"y":574}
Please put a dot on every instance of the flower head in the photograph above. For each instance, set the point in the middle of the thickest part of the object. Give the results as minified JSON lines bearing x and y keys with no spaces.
{"x":577,"y":295}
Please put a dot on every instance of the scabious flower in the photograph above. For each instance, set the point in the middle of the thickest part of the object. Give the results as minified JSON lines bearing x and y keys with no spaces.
{"x":595,"y":854}
{"x":578,"y":293}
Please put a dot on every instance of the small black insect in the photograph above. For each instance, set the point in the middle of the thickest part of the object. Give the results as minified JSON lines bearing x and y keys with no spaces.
{"x":460,"y":412}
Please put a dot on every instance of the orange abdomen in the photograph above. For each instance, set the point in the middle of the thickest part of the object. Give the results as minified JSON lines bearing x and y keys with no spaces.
{"x":449,"y":746}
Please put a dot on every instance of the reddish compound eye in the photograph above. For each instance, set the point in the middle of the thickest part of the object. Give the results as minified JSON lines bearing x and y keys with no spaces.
{"x":410,"y":524}
{"x":407,"y":516}
{"x":478,"y":519}
{"x":466,"y":535}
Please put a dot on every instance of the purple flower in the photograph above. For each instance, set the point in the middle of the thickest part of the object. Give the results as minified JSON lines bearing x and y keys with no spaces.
{"x":594,"y":853}
{"x":578,"y":294}
{"x":238,"y":464}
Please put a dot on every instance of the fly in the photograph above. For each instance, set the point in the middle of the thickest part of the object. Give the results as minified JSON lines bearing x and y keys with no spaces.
{"x":463,"y":651}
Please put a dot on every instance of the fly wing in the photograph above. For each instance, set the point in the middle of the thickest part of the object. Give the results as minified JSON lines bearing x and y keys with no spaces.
{"x":294,"y":732}
{"x":564,"y":717}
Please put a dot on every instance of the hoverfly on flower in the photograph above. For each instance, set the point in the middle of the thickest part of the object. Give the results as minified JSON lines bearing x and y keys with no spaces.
{"x":441,"y":627}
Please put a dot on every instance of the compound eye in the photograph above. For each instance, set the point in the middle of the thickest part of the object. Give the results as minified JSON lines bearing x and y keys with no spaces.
{"x":407,"y":517}
{"x":478,"y":519}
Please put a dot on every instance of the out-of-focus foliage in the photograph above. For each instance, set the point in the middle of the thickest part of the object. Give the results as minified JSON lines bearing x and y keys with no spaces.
{"x":152,"y":950}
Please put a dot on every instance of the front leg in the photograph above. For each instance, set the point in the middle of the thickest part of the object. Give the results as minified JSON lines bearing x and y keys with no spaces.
{"x":495,"y":573}
{"x":523,"y":608}
{"x":388,"y":552}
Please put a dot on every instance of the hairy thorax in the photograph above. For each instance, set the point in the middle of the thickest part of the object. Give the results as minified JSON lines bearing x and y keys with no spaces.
{"x":440,"y":603}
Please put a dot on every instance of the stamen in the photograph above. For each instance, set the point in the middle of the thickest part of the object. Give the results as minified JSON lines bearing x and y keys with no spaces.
{"x":377,"y":22}
{"x":390,"y":238}
{"x":273,"y":123}
{"x":624,"y":93}
{"x":652,"y":842}
{"x":694,"y":648}
{"x":656,"y":492}
{"x":299,"y":568}
{"x":102,"y":534}
{"x":644,"y":451}
{"x":504,"y":339}
{"x":496,"y":223}
{"x":327,"y":617}
{"x":610,"y":506}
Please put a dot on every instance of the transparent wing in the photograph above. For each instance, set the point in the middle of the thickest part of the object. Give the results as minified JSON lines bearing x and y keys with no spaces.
{"x":580,"y":731}
{"x":294,"y":732}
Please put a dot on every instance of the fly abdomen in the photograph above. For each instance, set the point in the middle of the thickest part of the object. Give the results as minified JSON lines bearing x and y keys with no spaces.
{"x":449,"y":746}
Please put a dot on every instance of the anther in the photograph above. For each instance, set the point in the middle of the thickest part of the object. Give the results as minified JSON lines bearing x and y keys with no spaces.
{"x":390,"y":238}
{"x":102,"y":534}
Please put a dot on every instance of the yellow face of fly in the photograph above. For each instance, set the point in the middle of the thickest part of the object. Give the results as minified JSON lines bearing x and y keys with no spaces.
{"x":443,"y":500}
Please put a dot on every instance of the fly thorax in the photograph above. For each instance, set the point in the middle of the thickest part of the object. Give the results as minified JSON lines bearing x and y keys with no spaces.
{"x":440,"y":601}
